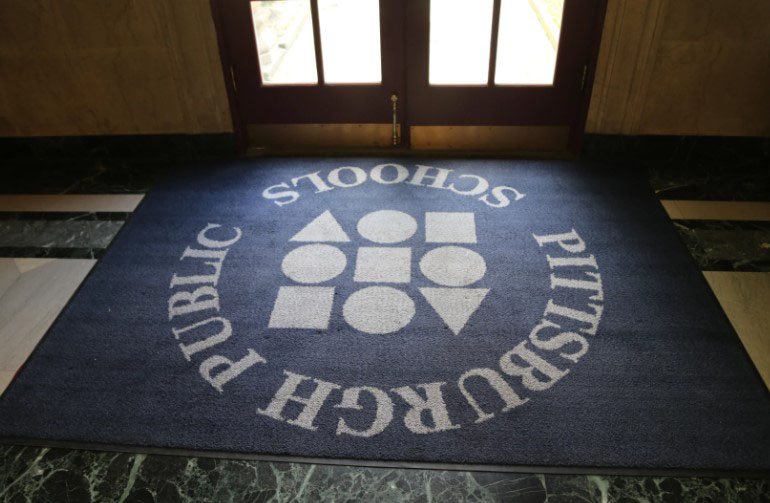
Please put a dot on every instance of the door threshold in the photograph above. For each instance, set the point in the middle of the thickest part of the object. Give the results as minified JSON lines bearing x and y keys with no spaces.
{"x":407,"y":152}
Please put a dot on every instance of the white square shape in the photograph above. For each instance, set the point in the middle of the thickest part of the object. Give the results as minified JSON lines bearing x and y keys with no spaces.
{"x":450,"y":227}
{"x":377,"y":264}
{"x":302,"y":307}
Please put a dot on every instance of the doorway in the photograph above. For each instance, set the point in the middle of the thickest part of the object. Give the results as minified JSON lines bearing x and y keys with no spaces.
{"x":410,"y":74}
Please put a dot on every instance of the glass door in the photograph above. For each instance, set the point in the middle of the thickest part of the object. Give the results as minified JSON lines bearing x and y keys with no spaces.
{"x":462,"y":74}
{"x":498,"y":73}
{"x":316,"y":72}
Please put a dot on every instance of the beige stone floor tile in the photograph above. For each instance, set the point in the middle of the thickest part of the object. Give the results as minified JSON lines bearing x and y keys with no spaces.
{"x":9,"y":272}
{"x":32,"y":303}
{"x":671,"y":208}
{"x":27,"y":264}
{"x":745,"y":297}
{"x":70,"y":202}
{"x":5,"y":380}
{"x":717,"y":210}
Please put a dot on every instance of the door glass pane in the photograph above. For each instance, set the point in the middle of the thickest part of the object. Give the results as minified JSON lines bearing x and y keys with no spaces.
{"x":527,"y":41}
{"x":284,"y":32}
{"x":350,"y":41}
{"x":460,"y":34}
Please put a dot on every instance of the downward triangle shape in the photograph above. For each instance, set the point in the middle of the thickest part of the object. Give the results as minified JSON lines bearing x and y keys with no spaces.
{"x":323,"y":228}
{"x":455,"y":305}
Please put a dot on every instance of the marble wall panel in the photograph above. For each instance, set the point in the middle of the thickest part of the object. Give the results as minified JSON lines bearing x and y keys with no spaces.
{"x":31,"y":25}
{"x":717,"y":20}
{"x":709,"y":88}
{"x":737,"y":90}
{"x":197,"y":64}
{"x":148,"y":96}
{"x":627,"y":52}
{"x":32,"y":104}
{"x":90,"y":25}
{"x":683,"y":67}
{"x":90,"y":67}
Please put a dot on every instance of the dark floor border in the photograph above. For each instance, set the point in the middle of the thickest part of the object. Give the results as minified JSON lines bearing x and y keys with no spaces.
{"x":678,"y":167}
{"x":679,"y":148}
{"x":735,"y":266}
{"x":690,"y":167}
{"x":164,"y":146}
{"x":37,"y":252}
{"x":595,"y":146}
{"x":724,"y":225}
{"x":65,"y":215}
{"x":408,"y":465}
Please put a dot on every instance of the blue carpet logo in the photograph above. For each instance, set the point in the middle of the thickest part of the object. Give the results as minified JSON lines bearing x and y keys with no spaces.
{"x":382,"y":308}
{"x":419,"y":276}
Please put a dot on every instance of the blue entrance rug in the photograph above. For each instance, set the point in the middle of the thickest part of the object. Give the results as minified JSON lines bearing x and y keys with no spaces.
{"x":477,"y":312}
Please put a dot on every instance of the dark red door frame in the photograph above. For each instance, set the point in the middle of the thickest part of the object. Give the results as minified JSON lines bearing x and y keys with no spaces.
{"x":579,"y":123}
{"x":239,"y":126}
{"x":493,"y":104}
{"x":323,"y":103}
{"x":405,"y":31}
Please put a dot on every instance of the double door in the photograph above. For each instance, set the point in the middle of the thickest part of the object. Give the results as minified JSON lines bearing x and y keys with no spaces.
{"x":421,"y":74}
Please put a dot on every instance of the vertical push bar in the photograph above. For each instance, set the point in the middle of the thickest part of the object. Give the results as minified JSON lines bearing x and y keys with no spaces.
{"x":394,"y":101}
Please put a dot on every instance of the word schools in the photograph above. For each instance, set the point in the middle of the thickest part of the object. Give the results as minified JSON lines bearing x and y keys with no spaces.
{"x":346,"y":177}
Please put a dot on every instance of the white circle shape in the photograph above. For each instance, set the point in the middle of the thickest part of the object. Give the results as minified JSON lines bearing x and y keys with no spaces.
{"x":453,"y":266}
{"x":314,"y":263}
{"x":378,"y":310}
{"x":387,"y":226}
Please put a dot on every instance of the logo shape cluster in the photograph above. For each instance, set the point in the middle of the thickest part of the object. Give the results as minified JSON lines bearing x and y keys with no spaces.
{"x":380,"y":306}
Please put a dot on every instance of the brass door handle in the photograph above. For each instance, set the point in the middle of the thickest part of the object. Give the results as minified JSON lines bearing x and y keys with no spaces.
{"x":394,"y":102}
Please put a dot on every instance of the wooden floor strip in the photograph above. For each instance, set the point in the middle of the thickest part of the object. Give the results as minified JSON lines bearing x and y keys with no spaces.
{"x":71,"y":202}
{"x":716,"y":210}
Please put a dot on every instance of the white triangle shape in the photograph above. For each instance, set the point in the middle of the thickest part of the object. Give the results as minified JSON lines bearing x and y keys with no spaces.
{"x":455,"y":305}
{"x":323,"y":228}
